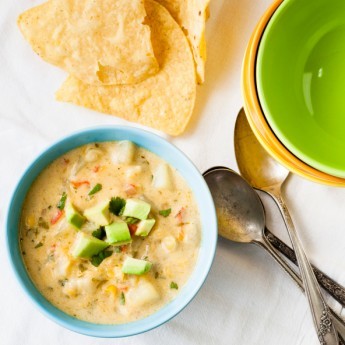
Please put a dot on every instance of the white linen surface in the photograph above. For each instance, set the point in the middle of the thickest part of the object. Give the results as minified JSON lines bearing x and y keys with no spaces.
{"x":246,"y":299}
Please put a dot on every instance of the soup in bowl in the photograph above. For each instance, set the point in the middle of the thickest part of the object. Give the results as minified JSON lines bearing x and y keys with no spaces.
{"x":111,"y":231}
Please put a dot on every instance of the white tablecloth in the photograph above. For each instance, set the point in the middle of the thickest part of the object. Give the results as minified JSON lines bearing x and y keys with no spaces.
{"x":247,"y":299}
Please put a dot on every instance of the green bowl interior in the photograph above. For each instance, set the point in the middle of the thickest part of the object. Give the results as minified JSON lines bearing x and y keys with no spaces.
{"x":300,"y":74}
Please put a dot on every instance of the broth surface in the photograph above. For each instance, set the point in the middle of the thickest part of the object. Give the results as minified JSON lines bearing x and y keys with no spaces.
{"x":104,"y":294}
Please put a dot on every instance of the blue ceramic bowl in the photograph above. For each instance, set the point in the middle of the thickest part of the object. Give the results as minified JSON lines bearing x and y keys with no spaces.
{"x":173,"y":156}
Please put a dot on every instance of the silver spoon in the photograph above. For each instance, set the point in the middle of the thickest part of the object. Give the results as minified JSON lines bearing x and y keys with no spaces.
{"x":262,"y":170}
{"x":241,"y":218}
{"x":264,"y":173}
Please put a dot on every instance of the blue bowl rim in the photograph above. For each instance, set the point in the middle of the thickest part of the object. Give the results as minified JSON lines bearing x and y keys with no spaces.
{"x":172,"y":308}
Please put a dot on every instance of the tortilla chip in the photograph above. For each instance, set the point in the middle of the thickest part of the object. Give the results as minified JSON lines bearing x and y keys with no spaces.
{"x":100,"y":42}
{"x":164,"y":101}
{"x":191,"y":15}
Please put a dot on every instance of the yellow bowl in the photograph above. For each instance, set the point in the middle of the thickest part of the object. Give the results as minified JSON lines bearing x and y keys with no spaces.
{"x":257,"y":119}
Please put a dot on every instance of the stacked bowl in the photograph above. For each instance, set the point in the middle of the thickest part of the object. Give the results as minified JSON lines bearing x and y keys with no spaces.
{"x":294,"y":87}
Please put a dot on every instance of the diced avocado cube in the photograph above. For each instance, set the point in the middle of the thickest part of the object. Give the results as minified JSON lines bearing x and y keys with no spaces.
{"x":99,"y":214}
{"x":136,"y":266}
{"x":85,"y":246}
{"x":73,"y":216}
{"x":118,"y":233}
{"x":162,"y":178}
{"x":144,"y":227}
{"x":125,"y":151}
{"x":136,"y":208}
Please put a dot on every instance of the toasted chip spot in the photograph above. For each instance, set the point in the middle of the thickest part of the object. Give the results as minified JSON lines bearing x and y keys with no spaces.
{"x":191,"y":15}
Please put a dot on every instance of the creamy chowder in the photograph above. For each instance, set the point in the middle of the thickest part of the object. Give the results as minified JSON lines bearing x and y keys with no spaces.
{"x":109,"y":232}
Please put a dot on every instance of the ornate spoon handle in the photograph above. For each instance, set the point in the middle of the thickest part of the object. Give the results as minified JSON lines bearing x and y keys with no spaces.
{"x":332,"y":287}
{"x":336,"y":320}
{"x":319,"y":310}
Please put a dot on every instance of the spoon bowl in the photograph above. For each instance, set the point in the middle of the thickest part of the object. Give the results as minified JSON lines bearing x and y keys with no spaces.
{"x":241,"y":216}
{"x":254,"y":163}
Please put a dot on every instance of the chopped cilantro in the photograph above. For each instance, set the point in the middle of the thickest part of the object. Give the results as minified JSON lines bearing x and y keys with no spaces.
{"x":122,"y":298}
{"x":42,"y":223}
{"x":96,"y":260}
{"x":132,"y":220}
{"x":99,"y":233}
{"x":95,"y":189}
{"x":39,"y":244}
{"x":173,"y":285}
{"x":117,"y":249}
{"x":165,"y":213}
{"x":61,"y":204}
{"x":81,"y":267}
{"x":117,"y":205}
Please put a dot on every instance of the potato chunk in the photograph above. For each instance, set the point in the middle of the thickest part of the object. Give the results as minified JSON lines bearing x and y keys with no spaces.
{"x":162,"y":178}
{"x":124,"y":152}
{"x":142,"y":294}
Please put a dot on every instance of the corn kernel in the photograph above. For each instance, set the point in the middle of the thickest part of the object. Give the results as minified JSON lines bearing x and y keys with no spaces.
{"x":111,"y":289}
{"x":169,"y":243}
{"x":31,"y":221}
{"x":180,"y":236}
{"x":110,"y":274}
{"x":70,"y":291}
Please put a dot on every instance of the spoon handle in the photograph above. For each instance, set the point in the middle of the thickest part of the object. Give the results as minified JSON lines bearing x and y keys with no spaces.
{"x":339,"y":324}
{"x":333,"y":288}
{"x":319,"y":309}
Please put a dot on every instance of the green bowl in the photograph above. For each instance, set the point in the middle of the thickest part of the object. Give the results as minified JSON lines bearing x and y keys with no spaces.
{"x":300,"y":75}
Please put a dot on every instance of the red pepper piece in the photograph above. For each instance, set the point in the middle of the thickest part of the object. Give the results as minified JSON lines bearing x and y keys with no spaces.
{"x":57,"y":217}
